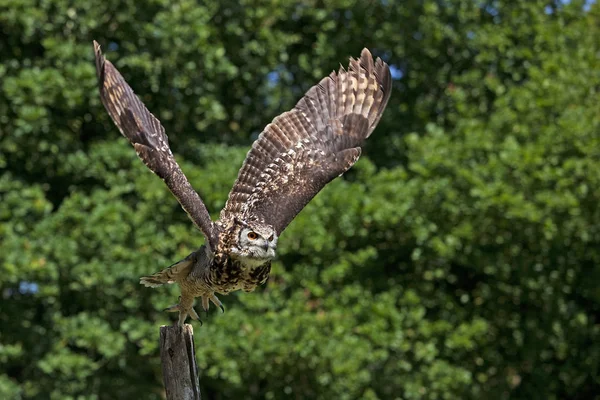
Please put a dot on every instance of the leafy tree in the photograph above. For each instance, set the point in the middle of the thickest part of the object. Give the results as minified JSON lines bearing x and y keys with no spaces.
{"x":458,"y":259}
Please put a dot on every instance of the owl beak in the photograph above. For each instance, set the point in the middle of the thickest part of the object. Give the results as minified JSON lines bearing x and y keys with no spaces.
{"x":266,"y":246}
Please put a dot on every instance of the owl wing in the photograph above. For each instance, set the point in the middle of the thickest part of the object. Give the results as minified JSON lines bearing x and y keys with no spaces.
{"x":302,"y":150}
{"x":148,"y":137}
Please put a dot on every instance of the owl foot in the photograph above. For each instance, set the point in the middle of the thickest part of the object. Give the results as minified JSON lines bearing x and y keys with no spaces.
{"x":183,"y":314}
{"x":215,"y":301}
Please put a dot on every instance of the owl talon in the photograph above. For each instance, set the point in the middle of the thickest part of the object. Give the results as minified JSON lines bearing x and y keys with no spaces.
{"x":206,"y":300}
{"x":194,"y":315}
{"x":217,"y":302}
{"x":173,"y":308}
{"x":205,"y":304}
{"x":184,"y":314}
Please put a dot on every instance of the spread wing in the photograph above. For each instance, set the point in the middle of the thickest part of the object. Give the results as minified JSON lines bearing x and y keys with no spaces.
{"x":302,"y":150}
{"x":147,"y":135}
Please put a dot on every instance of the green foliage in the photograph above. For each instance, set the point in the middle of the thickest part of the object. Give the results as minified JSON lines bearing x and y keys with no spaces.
{"x":458,"y":259}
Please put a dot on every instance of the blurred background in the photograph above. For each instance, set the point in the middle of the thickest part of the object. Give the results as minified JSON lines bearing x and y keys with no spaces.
{"x":459,"y":259}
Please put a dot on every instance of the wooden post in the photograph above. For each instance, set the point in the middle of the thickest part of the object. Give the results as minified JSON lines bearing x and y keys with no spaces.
{"x":178,"y":358}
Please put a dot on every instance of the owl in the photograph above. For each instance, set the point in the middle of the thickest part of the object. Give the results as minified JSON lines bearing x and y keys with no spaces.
{"x":294,"y":157}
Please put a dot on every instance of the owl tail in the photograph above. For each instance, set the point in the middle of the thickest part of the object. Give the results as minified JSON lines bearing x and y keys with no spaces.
{"x":172,"y":274}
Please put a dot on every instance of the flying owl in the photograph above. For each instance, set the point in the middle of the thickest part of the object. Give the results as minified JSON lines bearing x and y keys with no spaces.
{"x":294,"y":157}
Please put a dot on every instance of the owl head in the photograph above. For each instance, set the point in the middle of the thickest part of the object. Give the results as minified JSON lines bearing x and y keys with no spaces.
{"x":255,"y":241}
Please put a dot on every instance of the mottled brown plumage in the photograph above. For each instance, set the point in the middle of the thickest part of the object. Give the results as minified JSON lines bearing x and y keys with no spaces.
{"x":296,"y":155}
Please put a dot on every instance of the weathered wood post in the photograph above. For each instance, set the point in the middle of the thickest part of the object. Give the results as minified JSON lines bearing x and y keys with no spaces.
{"x":178,"y":359}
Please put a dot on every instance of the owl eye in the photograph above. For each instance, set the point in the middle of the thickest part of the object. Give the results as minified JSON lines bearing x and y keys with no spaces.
{"x":252,"y":235}
{"x":271,"y":238}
